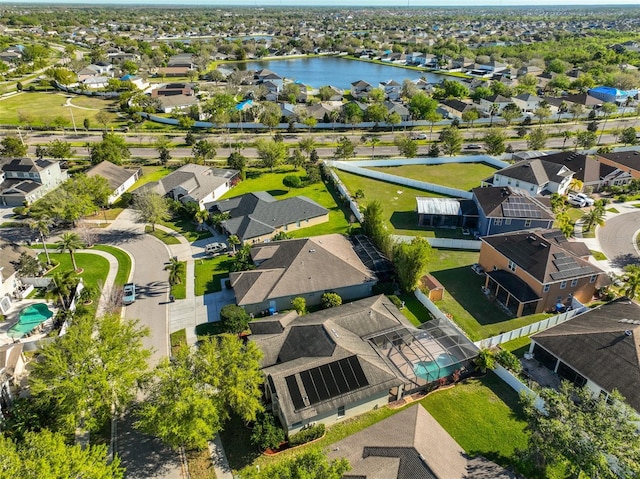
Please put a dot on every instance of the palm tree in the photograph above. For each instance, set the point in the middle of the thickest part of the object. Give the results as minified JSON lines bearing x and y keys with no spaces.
{"x":233,"y":240}
{"x":41,"y":225}
{"x":70,"y":242}
{"x":485,"y":360}
{"x":607,"y":110}
{"x":64,"y":284}
{"x":595,"y":216}
{"x":373,"y":140}
{"x":176,"y":270}
{"x":201,"y":216}
{"x":494,"y":109}
{"x":631,"y":277}
{"x":575,"y":184}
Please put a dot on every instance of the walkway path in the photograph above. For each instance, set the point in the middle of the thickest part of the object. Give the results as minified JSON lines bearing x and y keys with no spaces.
{"x":109,"y":281}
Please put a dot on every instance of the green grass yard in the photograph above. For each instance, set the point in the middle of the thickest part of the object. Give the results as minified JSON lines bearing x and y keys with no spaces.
{"x":464,"y":300}
{"x":43,"y":107}
{"x":186,"y":228}
{"x":463,"y":176}
{"x":149,"y":174}
{"x":179,"y":291}
{"x":124,"y":262}
{"x":264,"y":180}
{"x":163,"y":236}
{"x":210,"y":273}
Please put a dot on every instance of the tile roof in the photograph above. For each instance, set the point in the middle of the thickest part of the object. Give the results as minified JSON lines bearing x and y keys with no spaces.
{"x":299,"y":266}
{"x":596,"y":345}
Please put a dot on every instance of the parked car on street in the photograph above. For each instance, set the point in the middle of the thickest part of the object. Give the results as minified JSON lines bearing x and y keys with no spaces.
{"x":473,"y":147}
{"x":129,"y":293}
{"x":419,"y":136}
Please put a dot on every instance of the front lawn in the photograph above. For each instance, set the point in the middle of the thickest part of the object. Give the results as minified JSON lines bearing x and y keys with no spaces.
{"x":124,"y":262}
{"x":179,"y":291}
{"x":264,"y":180}
{"x":210,"y":273}
{"x":162,"y":235}
{"x":483,"y":415}
{"x":187,"y":228}
{"x":462,"y":176}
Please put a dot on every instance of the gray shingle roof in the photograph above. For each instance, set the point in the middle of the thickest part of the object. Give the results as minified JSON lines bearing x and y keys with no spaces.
{"x":536,"y":171}
{"x":299,"y":266}
{"x":115,"y":175}
{"x":257,"y":214}
{"x":595,"y":344}
{"x":494,"y":201}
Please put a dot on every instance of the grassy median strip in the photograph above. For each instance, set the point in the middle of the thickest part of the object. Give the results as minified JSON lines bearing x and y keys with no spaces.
{"x":179,"y":291}
{"x":124,"y":262}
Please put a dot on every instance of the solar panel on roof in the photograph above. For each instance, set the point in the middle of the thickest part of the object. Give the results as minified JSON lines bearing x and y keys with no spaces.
{"x":294,"y":392}
{"x":352,"y":382}
{"x":338,"y":375}
{"x":357,"y":370}
{"x":329,"y":380}
{"x":321,"y":387}
{"x":309,"y":387}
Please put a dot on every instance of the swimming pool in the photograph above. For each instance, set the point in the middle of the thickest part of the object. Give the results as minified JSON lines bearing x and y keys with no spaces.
{"x":444,"y":365}
{"x":30,"y":318}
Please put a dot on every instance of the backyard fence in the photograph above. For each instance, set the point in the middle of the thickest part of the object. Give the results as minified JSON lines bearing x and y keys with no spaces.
{"x":518,"y":386}
{"x":429,"y":161}
{"x":446,"y":243}
{"x":528,"y":330}
{"x":43,"y":282}
{"x":435,"y":311}
{"x":353,"y":206}
{"x":399,"y":180}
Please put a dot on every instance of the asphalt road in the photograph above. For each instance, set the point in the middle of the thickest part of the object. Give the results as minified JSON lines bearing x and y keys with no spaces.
{"x":617,"y":239}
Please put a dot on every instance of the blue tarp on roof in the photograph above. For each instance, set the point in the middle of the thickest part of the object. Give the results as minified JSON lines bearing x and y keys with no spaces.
{"x":244,"y":104}
{"x":127,"y":77}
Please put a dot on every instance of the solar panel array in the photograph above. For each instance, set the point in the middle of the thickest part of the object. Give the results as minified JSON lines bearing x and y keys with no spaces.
{"x":568,"y":267}
{"x":327,"y":381}
{"x":517,"y":207}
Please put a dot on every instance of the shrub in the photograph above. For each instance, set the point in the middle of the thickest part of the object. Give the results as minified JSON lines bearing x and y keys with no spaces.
{"x":266,"y":433}
{"x":234,"y":319}
{"x":396,"y":301}
{"x":331,"y":300}
{"x":508,"y":360}
{"x":292,"y":181}
{"x":308,"y":434}
{"x":300,"y":305}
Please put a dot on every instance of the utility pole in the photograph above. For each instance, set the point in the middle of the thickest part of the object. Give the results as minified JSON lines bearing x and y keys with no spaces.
{"x":73,"y":120}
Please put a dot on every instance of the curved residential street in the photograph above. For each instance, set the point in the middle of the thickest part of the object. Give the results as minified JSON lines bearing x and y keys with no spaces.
{"x":617,"y":236}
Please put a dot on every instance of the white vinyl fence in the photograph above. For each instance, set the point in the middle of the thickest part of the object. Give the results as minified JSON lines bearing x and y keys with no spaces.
{"x":446,"y":243}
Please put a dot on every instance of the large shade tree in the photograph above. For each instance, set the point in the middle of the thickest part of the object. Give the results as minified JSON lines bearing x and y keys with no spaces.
{"x":92,"y":372}
{"x":150,"y":208}
{"x":195,"y":393}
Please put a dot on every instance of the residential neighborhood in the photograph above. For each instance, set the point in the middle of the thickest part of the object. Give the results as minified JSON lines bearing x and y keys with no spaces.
{"x":373,"y":242}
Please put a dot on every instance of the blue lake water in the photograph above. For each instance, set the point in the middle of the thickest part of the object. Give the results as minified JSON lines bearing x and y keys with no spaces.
{"x":336,"y":71}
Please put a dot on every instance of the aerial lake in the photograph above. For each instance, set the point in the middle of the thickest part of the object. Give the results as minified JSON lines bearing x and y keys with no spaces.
{"x":336,"y":71}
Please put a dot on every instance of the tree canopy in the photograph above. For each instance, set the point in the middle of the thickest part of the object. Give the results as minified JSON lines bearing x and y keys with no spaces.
{"x":309,"y":465}
{"x":150,"y":208}
{"x":194,"y":394}
{"x":112,"y":148}
{"x":410,"y":260}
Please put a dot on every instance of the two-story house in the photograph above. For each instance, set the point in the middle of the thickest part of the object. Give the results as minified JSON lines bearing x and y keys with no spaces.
{"x":533,"y":271}
{"x":534,"y":177}
{"x":501,"y":210}
{"x":24,"y":180}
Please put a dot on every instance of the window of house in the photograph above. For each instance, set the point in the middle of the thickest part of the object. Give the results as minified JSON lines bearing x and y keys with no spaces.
{"x":574,"y":282}
{"x":497,"y":221}
{"x":517,"y":184}
{"x":593,"y":277}
{"x":512,"y":265}
{"x":527,"y":223}
{"x":507,"y":221}
{"x":563,"y":285}
{"x":341,"y":412}
{"x":546,"y":288}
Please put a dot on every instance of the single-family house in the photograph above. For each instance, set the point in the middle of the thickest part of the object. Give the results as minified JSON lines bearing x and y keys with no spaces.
{"x":173,"y":71}
{"x":337,"y":363}
{"x":584,"y":99}
{"x":10,"y":285}
{"x":501,"y":210}
{"x":120,"y":179}
{"x":411,"y":444}
{"x":593,"y":172}
{"x":25,"y":180}
{"x":535,"y":177}
{"x":627,"y":161}
{"x":12,"y":367}
{"x":527,"y":102}
{"x":95,"y":70}
{"x":184,"y":60}
{"x":172,"y":103}
{"x":493,"y":104}
{"x":399,"y":108}
{"x":530,"y":70}
{"x":258,"y":216}
{"x":305,"y":267}
{"x":599,"y":349}
{"x":533,"y":271}
{"x":173,"y":89}
{"x":457,"y":108}
{"x":336,"y":93}
{"x":392,"y":89}
{"x":360,"y":89}
{"x":194,"y":183}
{"x":139,"y":82}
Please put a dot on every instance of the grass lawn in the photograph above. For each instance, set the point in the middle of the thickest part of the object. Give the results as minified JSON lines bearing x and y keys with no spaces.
{"x":177,"y":339}
{"x":210,"y":273}
{"x":163,"y":236}
{"x":613,"y":210}
{"x":186,"y":228}
{"x":464,"y":300}
{"x":149,"y":174}
{"x":463,"y":176}
{"x":43,"y":107}
{"x":398,"y":203}
{"x":598,"y":255}
{"x":413,"y":309}
{"x":264,"y":180}
{"x":108,"y":214}
{"x":200,"y":464}
{"x":179,"y":291}
{"x":124,"y":262}
{"x":517,"y":346}
{"x":483,"y":415}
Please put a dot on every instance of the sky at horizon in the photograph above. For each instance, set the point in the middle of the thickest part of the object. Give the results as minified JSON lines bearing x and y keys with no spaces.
{"x":335,"y":3}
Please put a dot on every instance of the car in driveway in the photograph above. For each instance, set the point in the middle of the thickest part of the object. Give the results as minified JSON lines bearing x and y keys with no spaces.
{"x":580,"y":200}
{"x":215,"y":249}
{"x":129,"y":293}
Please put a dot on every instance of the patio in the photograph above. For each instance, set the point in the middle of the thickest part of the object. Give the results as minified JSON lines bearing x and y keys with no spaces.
{"x":540,"y":374}
{"x":12,"y":317}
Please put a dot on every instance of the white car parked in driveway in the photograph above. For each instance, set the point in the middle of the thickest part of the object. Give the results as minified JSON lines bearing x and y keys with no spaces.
{"x":580,"y":200}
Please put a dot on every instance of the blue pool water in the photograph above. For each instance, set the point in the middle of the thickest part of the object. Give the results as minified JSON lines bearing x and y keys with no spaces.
{"x":444,"y":365}
{"x":30,"y":317}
